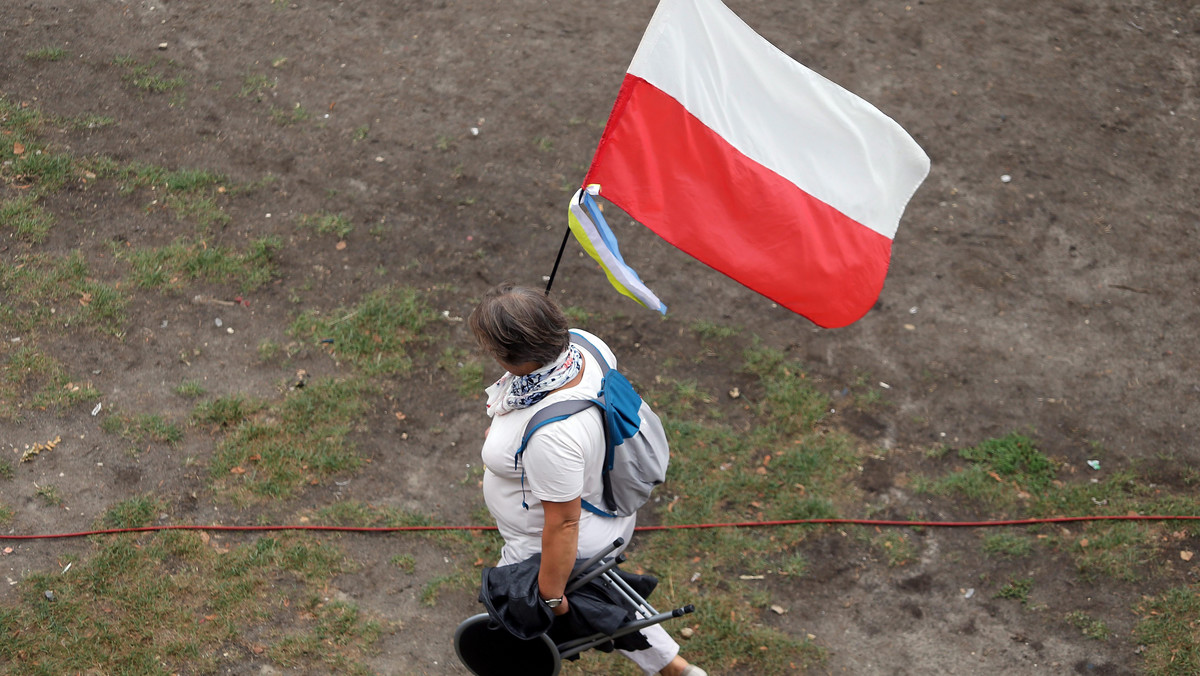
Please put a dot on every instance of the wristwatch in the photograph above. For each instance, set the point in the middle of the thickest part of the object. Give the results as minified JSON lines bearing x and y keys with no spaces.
{"x":554,"y":603}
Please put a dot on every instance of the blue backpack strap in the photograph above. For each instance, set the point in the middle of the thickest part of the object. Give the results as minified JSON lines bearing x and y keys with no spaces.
{"x":612,"y":435}
{"x":601,"y":400}
{"x":559,"y":410}
{"x":595,"y":510}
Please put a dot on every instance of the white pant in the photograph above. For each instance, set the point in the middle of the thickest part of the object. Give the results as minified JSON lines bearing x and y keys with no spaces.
{"x":662,"y":650}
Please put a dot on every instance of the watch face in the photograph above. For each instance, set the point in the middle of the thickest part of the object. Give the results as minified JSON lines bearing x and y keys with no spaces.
{"x":554,"y":603}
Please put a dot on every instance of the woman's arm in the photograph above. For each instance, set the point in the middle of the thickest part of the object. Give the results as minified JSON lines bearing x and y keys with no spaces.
{"x":560,"y":544}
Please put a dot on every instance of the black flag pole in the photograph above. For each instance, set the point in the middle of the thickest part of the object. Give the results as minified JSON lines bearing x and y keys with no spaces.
{"x":562,"y":247}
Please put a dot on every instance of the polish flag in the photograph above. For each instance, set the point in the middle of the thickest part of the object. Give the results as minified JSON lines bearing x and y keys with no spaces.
{"x":755,"y":165}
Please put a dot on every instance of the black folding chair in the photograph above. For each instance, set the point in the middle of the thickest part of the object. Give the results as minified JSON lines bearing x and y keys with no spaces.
{"x":488,"y":649}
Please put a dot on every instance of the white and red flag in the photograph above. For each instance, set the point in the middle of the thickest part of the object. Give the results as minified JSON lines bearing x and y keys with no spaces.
{"x":755,"y":165}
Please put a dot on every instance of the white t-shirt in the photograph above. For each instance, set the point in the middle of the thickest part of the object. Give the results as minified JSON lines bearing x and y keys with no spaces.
{"x":562,"y":462}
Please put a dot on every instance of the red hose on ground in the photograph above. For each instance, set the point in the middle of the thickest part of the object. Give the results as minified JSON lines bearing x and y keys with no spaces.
{"x":686,"y":526}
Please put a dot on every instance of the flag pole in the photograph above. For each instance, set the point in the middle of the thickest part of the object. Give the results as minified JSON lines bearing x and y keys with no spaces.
{"x":562,"y":247}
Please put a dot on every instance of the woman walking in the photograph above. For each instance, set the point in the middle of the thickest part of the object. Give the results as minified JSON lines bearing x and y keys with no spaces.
{"x":536,"y":500}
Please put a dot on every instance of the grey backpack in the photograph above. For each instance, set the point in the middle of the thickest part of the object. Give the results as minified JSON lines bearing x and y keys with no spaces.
{"x":635,"y":445}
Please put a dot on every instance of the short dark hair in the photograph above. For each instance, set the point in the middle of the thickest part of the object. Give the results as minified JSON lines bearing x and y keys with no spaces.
{"x":517,"y":325}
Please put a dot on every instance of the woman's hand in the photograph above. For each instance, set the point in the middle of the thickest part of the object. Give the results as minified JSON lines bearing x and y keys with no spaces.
{"x":560,"y":545}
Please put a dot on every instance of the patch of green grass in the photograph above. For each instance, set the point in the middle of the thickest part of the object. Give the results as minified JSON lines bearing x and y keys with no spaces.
{"x":192,"y":389}
{"x":103,"y":307}
{"x":865,"y":396}
{"x":1017,"y":590}
{"x":142,"y":428}
{"x":1121,"y":491}
{"x":730,"y":637}
{"x":148,"y":77}
{"x":49,"y":494}
{"x":1119,"y":550}
{"x":1013,"y":456}
{"x":806,"y":476}
{"x":464,"y":370}
{"x":433,"y":588}
{"x":203,"y":210}
{"x":1010,"y":475}
{"x":360,"y":133}
{"x":299,"y":441}
{"x":269,"y":350}
{"x":172,"y":603}
{"x":140,"y":175}
{"x":45,"y":171}
{"x":135,"y":512}
{"x":168,"y":267}
{"x":1001,"y":471}
{"x":726,"y":475}
{"x":898,"y":548}
{"x":59,"y":289}
{"x":89,"y":121}
{"x":936,"y":451}
{"x":712,"y":332}
{"x":792,"y":403}
{"x":337,"y":624}
{"x":1170,"y":629}
{"x":256,"y":86}
{"x":227,"y":411}
{"x":6,"y":513}
{"x":191,"y":194}
{"x":376,"y":334}
{"x":869,"y":399}
{"x":544,"y":143}
{"x":405,"y":562}
{"x":795,"y":565}
{"x":681,"y":398}
{"x":313,"y":561}
{"x":46,"y":54}
{"x":577,"y":316}
{"x":973,"y":485}
{"x":286,"y":117}
{"x":26,"y":218}
{"x":350,"y":513}
{"x":33,"y":380}
{"x":6,"y":469}
{"x":1090,"y":627}
{"x":1187,"y":504}
{"x":21,"y":124}
{"x":1008,"y":544}
{"x":325,"y":223}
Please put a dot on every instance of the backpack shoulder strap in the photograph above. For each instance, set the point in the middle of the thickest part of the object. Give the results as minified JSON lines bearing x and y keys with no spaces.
{"x":593,"y":350}
{"x":559,"y":410}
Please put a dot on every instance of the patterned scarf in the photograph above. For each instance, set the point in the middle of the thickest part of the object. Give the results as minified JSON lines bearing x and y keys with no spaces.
{"x":515,"y":392}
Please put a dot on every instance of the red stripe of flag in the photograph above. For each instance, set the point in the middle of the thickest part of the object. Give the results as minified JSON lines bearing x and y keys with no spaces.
{"x":685,"y":182}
